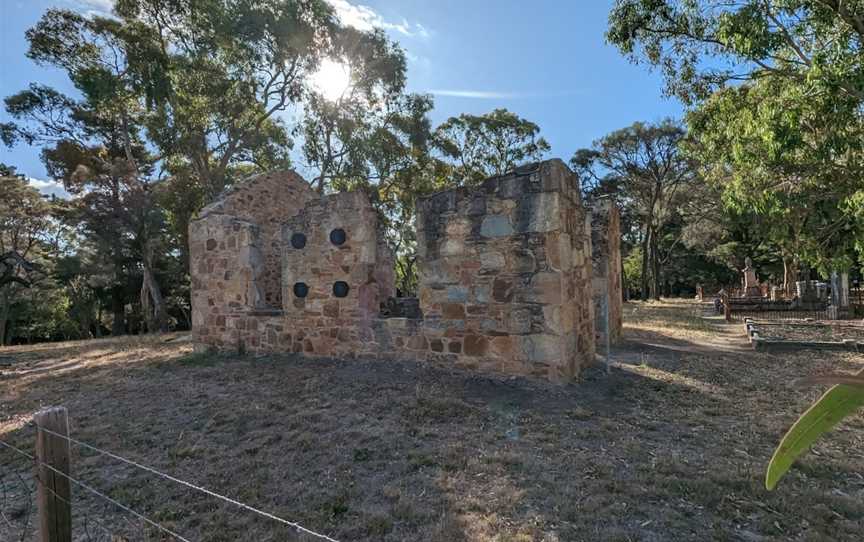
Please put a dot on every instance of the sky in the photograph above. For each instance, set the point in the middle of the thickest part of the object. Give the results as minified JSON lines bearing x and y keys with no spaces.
{"x":546,"y":60}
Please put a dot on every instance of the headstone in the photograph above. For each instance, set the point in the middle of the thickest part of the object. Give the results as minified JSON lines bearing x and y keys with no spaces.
{"x":844,"y":290}
{"x":751,"y":283}
{"x":776,"y":292}
{"x":835,"y":289}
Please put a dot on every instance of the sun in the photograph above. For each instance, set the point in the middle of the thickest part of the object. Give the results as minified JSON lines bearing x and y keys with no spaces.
{"x":332,"y":79}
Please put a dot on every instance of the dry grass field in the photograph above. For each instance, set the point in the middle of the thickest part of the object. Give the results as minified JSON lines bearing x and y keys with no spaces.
{"x":672,"y":445}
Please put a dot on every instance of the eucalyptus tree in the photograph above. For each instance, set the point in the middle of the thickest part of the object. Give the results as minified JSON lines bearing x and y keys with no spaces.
{"x":219,"y":76}
{"x":360,"y":127}
{"x":94,"y":146}
{"x":780,"y":162}
{"x":480,"y":146}
{"x":777,"y":88}
{"x":655,"y":182}
{"x":362,"y":130}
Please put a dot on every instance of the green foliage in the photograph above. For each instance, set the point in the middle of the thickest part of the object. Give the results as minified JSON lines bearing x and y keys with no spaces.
{"x":633,"y":269}
{"x":480,"y":146}
{"x":777,"y":93}
{"x":656,"y":185}
{"x":26,"y":231}
{"x":837,"y":403}
{"x":764,"y":151}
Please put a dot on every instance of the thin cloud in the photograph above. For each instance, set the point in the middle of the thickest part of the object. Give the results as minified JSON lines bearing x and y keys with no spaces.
{"x":365,"y":18}
{"x":479,"y":94}
{"x":497,"y":95}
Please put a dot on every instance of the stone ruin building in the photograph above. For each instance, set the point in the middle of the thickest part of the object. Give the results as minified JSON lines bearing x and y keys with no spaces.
{"x":505,"y":274}
{"x":607,"y":271}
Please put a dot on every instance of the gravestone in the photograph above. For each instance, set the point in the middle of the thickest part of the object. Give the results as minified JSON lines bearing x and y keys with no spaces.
{"x":751,"y":283}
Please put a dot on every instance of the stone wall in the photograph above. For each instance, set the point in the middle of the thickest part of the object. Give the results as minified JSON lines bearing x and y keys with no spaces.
{"x":266,"y":200}
{"x":226,"y":267}
{"x":505,"y":280}
{"x":503,"y":272}
{"x":606,"y":267}
{"x":341,"y":244}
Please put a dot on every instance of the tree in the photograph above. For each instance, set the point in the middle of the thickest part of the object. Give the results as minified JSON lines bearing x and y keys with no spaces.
{"x":25,"y":226}
{"x":363,"y":131}
{"x":703,"y":45}
{"x":216,"y":75}
{"x":644,"y":166}
{"x":779,"y":124}
{"x":767,"y":152}
{"x":95,"y":147}
{"x":778,"y":91}
{"x":480,"y":146}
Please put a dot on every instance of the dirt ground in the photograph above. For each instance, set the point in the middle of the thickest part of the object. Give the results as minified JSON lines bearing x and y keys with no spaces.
{"x":811,"y":332}
{"x":672,"y":445}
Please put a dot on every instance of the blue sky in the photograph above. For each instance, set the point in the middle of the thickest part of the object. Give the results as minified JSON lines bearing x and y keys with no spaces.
{"x":546,"y":61}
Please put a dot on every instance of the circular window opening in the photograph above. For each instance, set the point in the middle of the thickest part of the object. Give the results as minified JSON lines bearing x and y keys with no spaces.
{"x":340,"y":288}
{"x":298,"y":240}
{"x":300,"y":289}
{"x":338,"y":236}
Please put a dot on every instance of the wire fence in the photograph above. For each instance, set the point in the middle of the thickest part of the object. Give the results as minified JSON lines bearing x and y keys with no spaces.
{"x":116,"y":521}
{"x":856,"y":297}
{"x":18,"y":507}
{"x":777,"y":316}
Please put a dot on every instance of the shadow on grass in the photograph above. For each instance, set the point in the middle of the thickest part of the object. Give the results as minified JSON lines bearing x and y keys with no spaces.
{"x":670,"y":445}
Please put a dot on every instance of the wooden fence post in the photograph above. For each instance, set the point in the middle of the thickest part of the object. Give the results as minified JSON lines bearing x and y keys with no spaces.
{"x":53,"y":490}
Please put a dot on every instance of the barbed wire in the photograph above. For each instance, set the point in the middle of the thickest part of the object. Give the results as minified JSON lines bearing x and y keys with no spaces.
{"x":190,"y":485}
{"x":27,"y":493}
{"x":91,"y":489}
{"x":87,"y":517}
{"x":86,"y":521}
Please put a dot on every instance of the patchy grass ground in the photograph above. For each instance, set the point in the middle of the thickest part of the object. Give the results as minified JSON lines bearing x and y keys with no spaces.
{"x":671,"y":446}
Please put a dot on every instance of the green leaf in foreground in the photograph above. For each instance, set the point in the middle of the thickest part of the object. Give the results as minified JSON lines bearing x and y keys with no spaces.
{"x":837,"y":403}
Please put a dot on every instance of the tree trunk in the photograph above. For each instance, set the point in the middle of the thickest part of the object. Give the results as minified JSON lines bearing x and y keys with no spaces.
{"x":152,"y":302}
{"x":98,"y":329}
{"x":118,"y":326}
{"x":118,"y":305}
{"x":790,"y":275}
{"x":4,"y":317}
{"x":655,"y":269}
{"x":646,"y":243}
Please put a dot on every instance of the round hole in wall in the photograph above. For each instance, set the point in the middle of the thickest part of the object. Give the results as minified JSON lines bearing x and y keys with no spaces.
{"x":300,"y":289}
{"x":338,"y":236}
{"x":340,"y":288}
{"x":298,"y":240}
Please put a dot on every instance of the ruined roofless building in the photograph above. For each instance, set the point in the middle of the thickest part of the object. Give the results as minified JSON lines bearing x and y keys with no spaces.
{"x":505,"y":273}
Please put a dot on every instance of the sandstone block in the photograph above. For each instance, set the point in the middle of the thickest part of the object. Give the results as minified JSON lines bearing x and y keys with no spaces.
{"x":475,"y":345}
{"x":496,"y":226}
{"x":453,"y":311}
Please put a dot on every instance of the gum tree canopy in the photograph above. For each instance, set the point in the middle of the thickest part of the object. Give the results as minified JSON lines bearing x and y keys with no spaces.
{"x":776,"y":88}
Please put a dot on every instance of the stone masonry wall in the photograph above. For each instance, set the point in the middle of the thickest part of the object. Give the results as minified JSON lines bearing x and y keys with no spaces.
{"x":505,"y":281}
{"x":341,"y":242}
{"x":226,"y":267}
{"x":606,"y":261}
{"x":266,"y":200}
{"x":504,"y":278}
